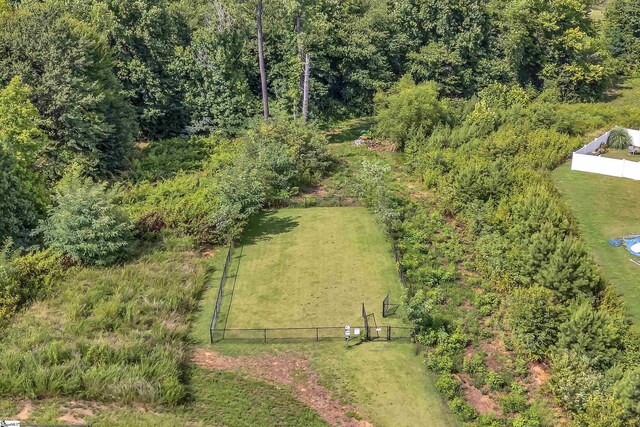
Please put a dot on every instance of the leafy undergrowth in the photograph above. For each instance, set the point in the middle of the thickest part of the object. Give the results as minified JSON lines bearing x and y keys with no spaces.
{"x":111,"y":334}
{"x":477,"y":368}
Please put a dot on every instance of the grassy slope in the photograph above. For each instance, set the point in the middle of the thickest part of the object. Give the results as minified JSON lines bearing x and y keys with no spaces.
{"x":114,"y":341}
{"x":387,"y":382}
{"x":311,"y":267}
{"x":606,"y":208}
{"x":218,"y":398}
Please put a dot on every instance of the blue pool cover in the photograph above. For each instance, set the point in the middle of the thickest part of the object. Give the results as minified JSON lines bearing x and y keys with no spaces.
{"x":627,"y":242}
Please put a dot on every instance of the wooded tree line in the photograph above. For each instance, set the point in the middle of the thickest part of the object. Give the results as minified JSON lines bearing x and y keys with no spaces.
{"x":81,"y":81}
{"x":104,"y":73}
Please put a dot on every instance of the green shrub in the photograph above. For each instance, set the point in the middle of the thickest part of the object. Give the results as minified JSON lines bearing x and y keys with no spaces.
{"x":184,"y":203}
{"x":490,"y":420}
{"x":25,"y":277}
{"x":474,"y":365}
{"x":86,"y":224}
{"x":372,"y":185}
{"x":528,"y":418}
{"x":494,"y":381}
{"x":463,"y":409}
{"x":573,"y":380}
{"x":168,"y":157}
{"x":619,"y":138}
{"x":305,"y":144}
{"x":448,"y":386}
{"x":486,"y":303}
{"x":595,"y":335}
{"x":603,"y":410}
{"x":515,"y":401}
{"x":534,"y":318}
{"x":570,"y":272}
{"x":627,"y":391}
{"x":407,"y":109}
{"x":417,"y":310}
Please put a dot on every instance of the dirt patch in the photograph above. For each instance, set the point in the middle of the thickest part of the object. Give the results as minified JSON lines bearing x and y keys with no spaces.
{"x":484,"y":403}
{"x":469,"y":352}
{"x":466,"y":305}
{"x":538,"y":373}
{"x":496,"y":352}
{"x":70,"y":418}
{"x":318,"y":190}
{"x":77,"y":412}
{"x":290,"y":370}
{"x":419,"y":195}
{"x":25,"y":413}
{"x":379,"y":145}
{"x":208,"y":253}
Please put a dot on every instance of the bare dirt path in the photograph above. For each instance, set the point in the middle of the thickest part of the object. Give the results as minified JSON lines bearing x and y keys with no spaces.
{"x":289,"y":370}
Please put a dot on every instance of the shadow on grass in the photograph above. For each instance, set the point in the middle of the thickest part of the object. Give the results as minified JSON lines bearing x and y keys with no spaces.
{"x":266,"y":225}
{"x":349,"y":130}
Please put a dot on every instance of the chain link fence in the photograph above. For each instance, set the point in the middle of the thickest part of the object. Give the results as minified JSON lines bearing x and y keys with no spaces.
{"x":223,"y":280}
{"x":317,"y":202}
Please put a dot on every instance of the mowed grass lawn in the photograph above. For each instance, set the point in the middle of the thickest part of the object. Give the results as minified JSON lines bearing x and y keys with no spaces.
{"x":310,"y":267}
{"x":316,"y":266}
{"x":606,"y":208}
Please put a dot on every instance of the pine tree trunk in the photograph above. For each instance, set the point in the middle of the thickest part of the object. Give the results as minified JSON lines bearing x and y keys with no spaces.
{"x":263,"y":70}
{"x":305,"y":90}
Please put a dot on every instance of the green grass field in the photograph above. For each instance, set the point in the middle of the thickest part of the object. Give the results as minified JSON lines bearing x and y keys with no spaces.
{"x":317,"y":266}
{"x":621,"y":154}
{"x":310,"y":267}
{"x":606,"y":208}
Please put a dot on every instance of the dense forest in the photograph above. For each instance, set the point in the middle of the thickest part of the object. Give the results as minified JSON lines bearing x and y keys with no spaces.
{"x":123,"y":119}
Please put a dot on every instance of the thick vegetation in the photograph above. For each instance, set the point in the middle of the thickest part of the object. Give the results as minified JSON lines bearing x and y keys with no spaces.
{"x":532,"y":283}
{"x":129,"y":139}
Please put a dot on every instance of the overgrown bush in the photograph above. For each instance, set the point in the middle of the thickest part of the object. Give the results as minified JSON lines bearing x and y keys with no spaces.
{"x":494,"y":381}
{"x":25,"y":277}
{"x":86,"y":224}
{"x":627,"y":391}
{"x":573,"y":380}
{"x":165,"y":158}
{"x":463,"y":409}
{"x":515,"y":401}
{"x":372,"y":185}
{"x":305,"y":144}
{"x":264,"y":167}
{"x":408,"y":109}
{"x":448,"y":386}
{"x":534,"y":318}
{"x":185,"y":203}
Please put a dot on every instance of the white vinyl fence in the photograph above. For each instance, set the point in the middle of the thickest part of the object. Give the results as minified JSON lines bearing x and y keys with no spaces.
{"x":584,"y":161}
{"x":594,"y":145}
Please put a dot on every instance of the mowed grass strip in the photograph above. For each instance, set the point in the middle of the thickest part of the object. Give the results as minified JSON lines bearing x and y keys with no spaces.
{"x":606,"y":208}
{"x":310,"y":267}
